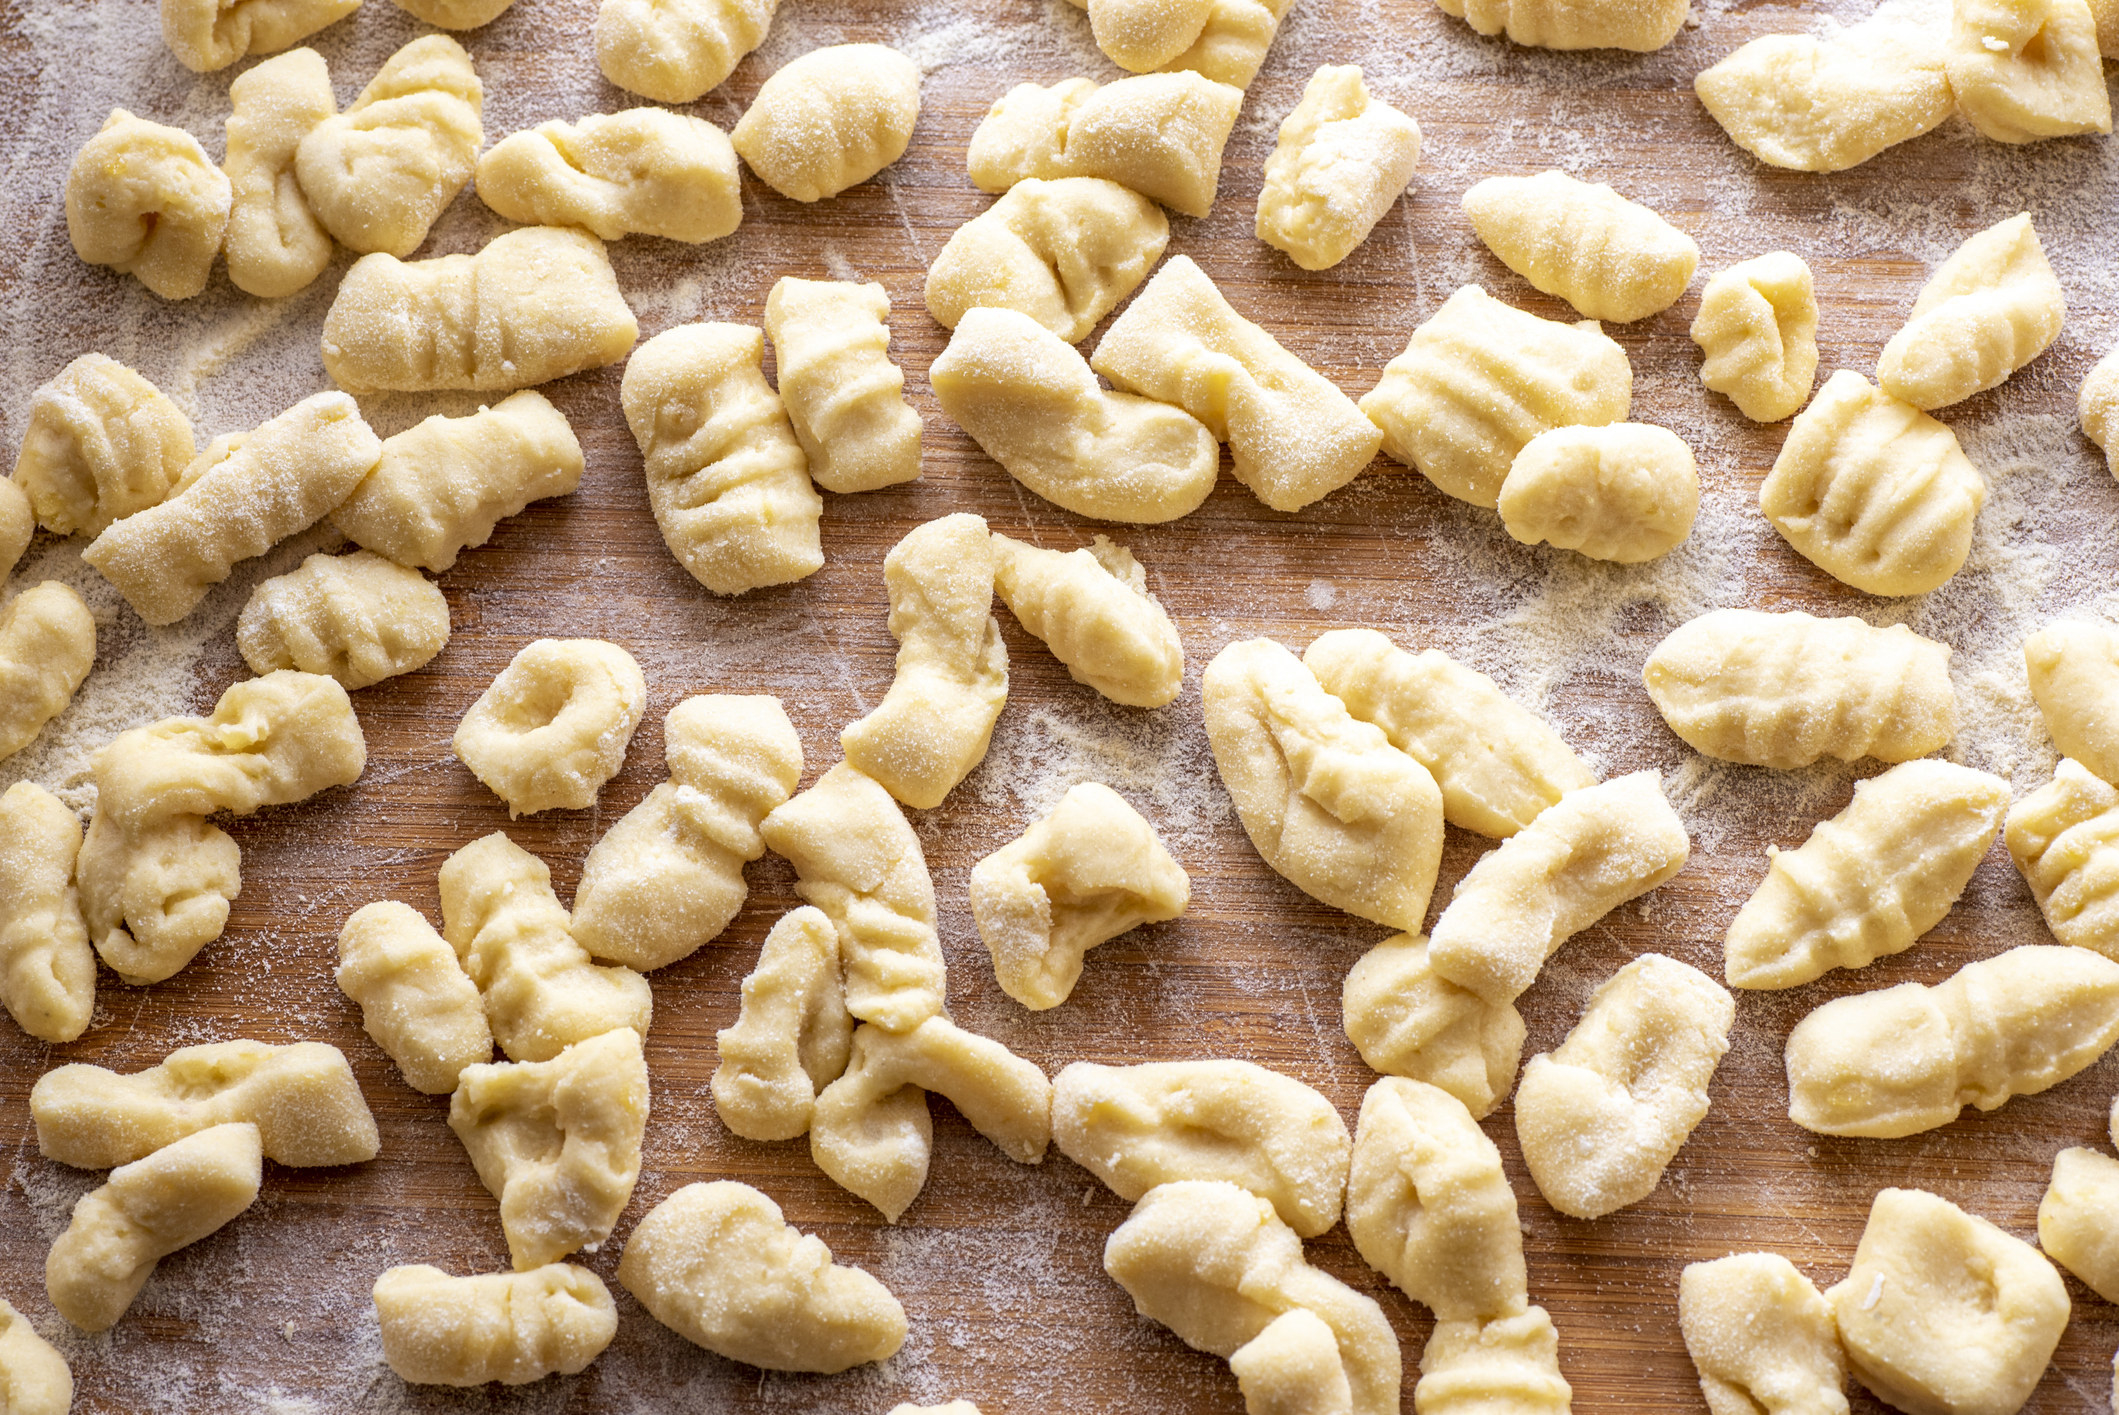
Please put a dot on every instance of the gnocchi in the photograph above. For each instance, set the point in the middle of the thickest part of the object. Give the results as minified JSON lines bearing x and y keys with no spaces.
{"x":1469,"y":1367}
{"x":2078,"y":1219}
{"x":793,"y":1036}
{"x":1625,"y":492}
{"x":1558,"y":24}
{"x":552,"y":727}
{"x":1608,"y":257}
{"x":47,"y":973}
{"x":1092,"y":608}
{"x":416,"y":1001}
{"x":513,"y":1328}
{"x":830,"y":120}
{"x":146,"y":200}
{"x":455,"y":14}
{"x":2022,"y":70}
{"x":357,"y":618}
{"x":2096,"y":407}
{"x":274,"y":243}
{"x":101,"y":443}
{"x":1157,"y":134}
{"x":1761,"y":1337}
{"x":153,"y":897}
{"x":18,"y":524}
{"x":34,"y":1377}
{"x":673,"y":51}
{"x":1407,"y":1020}
{"x":205,"y":35}
{"x":1063,"y":252}
{"x":1342,"y":160}
{"x":1825,"y":105}
{"x":1757,"y":328}
{"x":2061,"y":837}
{"x":1224,"y":40}
{"x":1988,"y":310}
{"x":645,"y":172}
{"x":2073,"y":667}
{"x":845,"y":398}
{"x":47,"y":646}
{"x":1292,"y":1367}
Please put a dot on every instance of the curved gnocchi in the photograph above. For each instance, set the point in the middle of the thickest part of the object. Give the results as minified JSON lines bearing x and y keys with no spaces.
{"x":645,"y":172}
{"x":47,"y":646}
{"x":47,"y":972}
{"x":1064,"y":252}
{"x":845,"y":398}
{"x":2023,"y":70}
{"x":1092,"y":608}
{"x":212,"y":34}
{"x":513,"y":1328}
{"x":1625,"y":492}
{"x":1757,"y":327}
{"x":830,"y":120}
{"x":1407,"y":1020}
{"x":357,"y":618}
{"x":416,"y":1001}
{"x":1761,"y":1337}
{"x":673,"y":51}
{"x":793,"y":1035}
{"x":553,"y":726}
{"x":1342,"y":160}
{"x":1158,"y":134}
{"x":1608,"y":257}
{"x":1573,"y":24}
{"x":1824,"y":105}
{"x":274,"y":244}
{"x":146,"y":200}
{"x":101,"y":442}
{"x":1988,"y":310}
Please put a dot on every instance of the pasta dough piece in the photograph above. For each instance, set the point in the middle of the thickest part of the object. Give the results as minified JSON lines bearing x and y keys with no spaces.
{"x":18,"y":524}
{"x":793,"y":1036}
{"x":726,"y":478}
{"x":1626,"y":492}
{"x":557,"y":1141}
{"x":1033,"y":405}
{"x":2063,"y":837}
{"x":1158,"y":134}
{"x":1988,"y":310}
{"x":718,"y":1264}
{"x":933,"y":726}
{"x":1608,"y":257}
{"x":1341,"y":162}
{"x":1063,"y":252}
{"x":274,"y":244}
{"x":1910,"y":1058}
{"x":1224,"y":40}
{"x":47,"y":646}
{"x":1510,"y":1363}
{"x":1480,"y":379}
{"x":531,"y":306}
{"x":673,"y":51}
{"x":1138,"y":1127}
{"x":508,"y":1327}
{"x":1293,"y":436}
{"x":148,"y":1210}
{"x":1568,"y":24}
{"x":645,"y":172}
{"x":416,"y":1001}
{"x":1871,"y":880}
{"x":2023,"y":70}
{"x":1945,"y":1314}
{"x":541,"y":992}
{"x":1761,"y":1338}
{"x":2078,"y":1219}
{"x":830,"y":120}
{"x":455,"y":14}
{"x":1080,"y":876}
{"x":2073,"y":668}
{"x":1407,"y":1020}
{"x":1583,"y":857}
{"x":1292,"y":1367}
{"x":1825,"y":105}
{"x":1092,"y":608}
{"x":1783,"y":690}
{"x":101,"y":443}
{"x":1602,"y":1116}
{"x":152,"y":898}
{"x":2096,"y":408}
{"x":243,"y":495}
{"x":34,"y":1378}
{"x":146,"y":200}
{"x":1327,"y":801}
{"x":378,"y":174}
{"x":1757,"y":327}
{"x":212,"y":34}
{"x":845,"y":398}
{"x":47,"y":973}
{"x":358,"y":618}
{"x":553,"y":726}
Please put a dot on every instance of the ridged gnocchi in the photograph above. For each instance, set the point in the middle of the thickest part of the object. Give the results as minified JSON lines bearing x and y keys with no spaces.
{"x":1824,"y":105}
{"x":1158,"y":134}
{"x":357,"y":618}
{"x":1625,"y":492}
{"x":1761,"y":1337}
{"x":101,"y":442}
{"x":553,"y":725}
{"x":47,"y":646}
{"x":830,"y":120}
{"x":513,"y":1328}
{"x":1064,"y":252}
{"x":274,"y":243}
{"x":416,"y":1001}
{"x":1092,"y":608}
{"x":2064,"y":838}
{"x":1470,"y":1367}
{"x":146,"y":200}
{"x":845,"y":398}
{"x":1407,"y":1020}
{"x":1757,"y":331}
{"x":47,"y":972}
{"x":642,"y":172}
{"x":1988,"y":310}
{"x":205,"y":35}
{"x":1608,"y":257}
{"x":1224,"y":40}
{"x":1560,"y":24}
{"x":793,"y":1035}
{"x":1342,"y":160}
{"x":673,"y":51}
{"x":2022,"y":70}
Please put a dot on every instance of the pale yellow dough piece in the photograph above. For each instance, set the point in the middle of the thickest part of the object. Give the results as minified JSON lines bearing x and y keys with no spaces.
{"x":830,"y":120}
{"x":1138,"y":1127}
{"x":1293,"y":436}
{"x":1063,"y":252}
{"x":101,"y":443}
{"x":455,"y":14}
{"x":553,"y":726}
{"x":845,"y":398}
{"x":717,"y":1264}
{"x":154,"y":897}
{"x":1988,"y":310}
{"x":1327,"y":801}
{"x":2078,"y":1219}
{"x":643,"y":172}
{"x":793,"y":1036}
{"x":1341,"y":162}
{"x":2073,"y":666}
{"x":1292,"y":1367}
{"x":1761,"y":1337}
{"x":1224,"y":40}
{"x":1624,"y":492}
{"x":47,"y":646}
{"x":18,"y":523}
{"x":673,"y":51}
{"x":1508,"y":1363}
{"x":1824,"y":105}
{"x":47,"y":972}
{"x":1640,"y":25}
{"x":1480,"y":379}
{"x":2096,"y":407}
{"x":34,"y":1377}
{"x":416,"y":1001}
{"x":358,"y":618}
{"x":1757,"y":331}
{"x":1092,"y":608}
{"x":513,"y":1328}
{"x":146,"y":200}
{"x":1910,"y":1058}
{"x":2064,"y":838}
{"x":274,"y":245}
{"x":1158,"y":134}
{"x":212,"y":34}
{"x":2023,"y":70}
{"x":1407,"y":1020}
{"x":1608,"y":257}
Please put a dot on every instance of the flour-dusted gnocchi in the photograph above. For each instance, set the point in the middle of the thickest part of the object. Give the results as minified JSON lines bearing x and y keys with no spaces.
{"x":2078,"y":1219}
{"x":1910,"y":1058}
{"x":673,"y":51}
{"x":358,"y":618}
{"x":1608,"y":257}
{"x":1761,"y":1337}
{"x":1757,"y":328}
{"x":1342,"y":160}
{"x":1158,"y":134}
{"x":1137,"y":1127}
{"x":1224,"y":40}
{"x":1568,"y":24}
{"x":2064,"y":838}
{"x":101,"y":443}
{"x":1783,"y":690}
{"x":1583,"y":857}
{"x":1292,"y":1367}
{"x":726,"y":477}
{"x":146,"y":200}
{"x":1944,"y":1312}
{"x":1033,"y":405}
{"x":553,"y":725}
{"x":2022,"y":70}
{"x":47,"y":972}
{"x":830,"y":120}
{"x":416,"y":1001}
{"x":793,"y":1036}
{"x":1064,"y":252}
{"x":274,"y":244}
{"x":47,"y":646}
{"x":18,"y":524}
{"x":206,"y":35}
{"x":1824,"y":105}
{"x":1407,"y":1020}
{"x":2073,"y":666}
{"x":718,"y":1264}
{"x":531,"y":306}
{"x":846,"y":399}
{"x":1472,"y":1367}
{"x":1328,"y":802}
{"x":455,"y":14}
{"x":646,"y":172}
{"x":1625,"y":492}
{"x":154,"y":896}
{"x":513,"y":1328}
{"x":1092,"y":608}
{"x":2096,"y":407}
{"x":1480,"y":379}
{"x":1988,"y":310}
{"x":1293,"y":436}
{"x":34,"y":1377}
{"x":557,"y":1141}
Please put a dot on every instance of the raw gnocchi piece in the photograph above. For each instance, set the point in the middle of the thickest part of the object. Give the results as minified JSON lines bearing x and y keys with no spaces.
{"x":1988,"y":310}
{"x":1292,"y":1367}
{"x":552,"y":727}
{"x":1480,"y":379}
{"x":1761,"y":1337}
{"x":274,"y":243}
{"x":378,"y":174}
{"x":18,"y":524}
{"x":557,"y":1142}
{"x":1063,"y":252}
{"x":1601,"y":1117}
{"x":102,"y":442}
{"x":1824,"y":105}
{"x":1092,"y":608}
{"x":1157,"y":134}
{"x":1508,"y":1363}
{"x":933,"y":726}
{"x":357,"y":618}
{"x":1757,"y":328}
{"x":47,"y":973}
{"x":643,"y":172}
{"x":1224,"y":40}
{"x":830,"y":120}
{"x":212,"y":34}
{"x":47,"y":646}
{"x":1293,"y":436}
{"x":1341,"y":162}
{"x":726,"y":478}
{"x":1783,"y":690}
{"x":1033,"y":405}
{"x":2073,"y":668}
{"x":34,"y":1377}
{"x":1943,"y":1312}
{"x":2096,"y":407}
{"x":541,"y":992}
{"x":2063,"y":837}
{"x":1583,"y":857}
{"x":416,"y":1001}
{"x":668,"y":877}
{"x":1407,"y":1020}
{"x":1569,"y":24}
{"x":1910,"y":1058}
{"x":533,"y":305}
{"x":718,"y":1264}
{"x":301,"y":1099}
{"x":148,"y":1210}
{"x":146,"y":200}
{"x":455,"y":14}
{"x":1327,"y":801}
{"x":793,"y":1036}
{"x":1608,"y":257}
{"x":1137,"y":1127}
{"x":1625,"y":492}
{"x":2078,"y":1219}
{"x":513,"y":1328}
{"x":845,"y":398}
{"x":673,"y":51}
{"x":2023,"y":70}
{"x":153,"y":897}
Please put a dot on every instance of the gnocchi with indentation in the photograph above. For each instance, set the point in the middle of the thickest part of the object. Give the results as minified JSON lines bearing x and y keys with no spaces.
{"x":793,"y":1035}
{"x":1158,"y":134}
{"x":47,"y":646}
{"x":1608,"y":257}
{"x":47,"y":972}
{"x":1064,"y":252}
{"x":645,"y":172}
{"x":1761,"y":1337}
{"x":2064,"y":838}
{"x":845,"y":398}
{"x":274,"y":244}
{"x":357,"y":618}
{"x":416,"y":1001}
{"x":212,"y":34}
{"x":1407,"y":1020}
{"x":145,"y":199}
{"x":513,"y":1328}
{"x":2078,"y":1219}
{"x":1341,"y":162}
{"x":1572,"y":24}
{"x":1625,"y":492}
{"x":33,"y":1375}
{"x":1757,"y":328}
{"x":673,"y":51}
{"x":1988,"y":310}
{"x":101,"y":443}
{"x":553,"y":725}
{"x":1824,"y":105}
{"x":1092,"y":608}
{"x":2022,"y":70}
{"x":1224,"y":40}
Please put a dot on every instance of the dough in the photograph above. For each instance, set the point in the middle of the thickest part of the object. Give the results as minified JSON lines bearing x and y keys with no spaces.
{"x":1505,"y":1363}
{"x":1761,"y":1337}
{"x":1158,"y":134}
{"x":1824,"y":105}
{"x":1292,"y":1367}
{"x":508,"y":1327}
{"x":1341,"y":162}
{"x":673,"y":51}
{"x":2023,"y":70}
{"x":1988,"y":310}
{"x":2097,"y":408}
{"x":1063,"y":252}
{"x":2073,"y":667}
{"x":646,"y":172}
{"x":1757,"y":330}
{"x":1407,"y":1020}
{"x":274,"y":245}
{"x":416,"y":1002}
{"x":455,"y":14}
{"x":1575,"y":24}
{"x":47,"y":646}
{"x":1626,"y":492}
{"x":2063,"y":837}
{"x":34,"y":1379}
{"x":358,"y":618}
{"x":830,"y":120}
{"x":553,"y":727}
{"x":146,"y":200}
{"x":212,"y":34}
{"x":153,"y":897}
{"x":47,"y":973}
{"x":18,"y":524}
{"x":793,"y":1036}
{"x":1224,"y":40}
{"x":1092,"y":608}
{"x":845,"y":398}
{"x":1608,"y":257}
{"x":2078,"y":1219}
{"x":101,"y":443}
